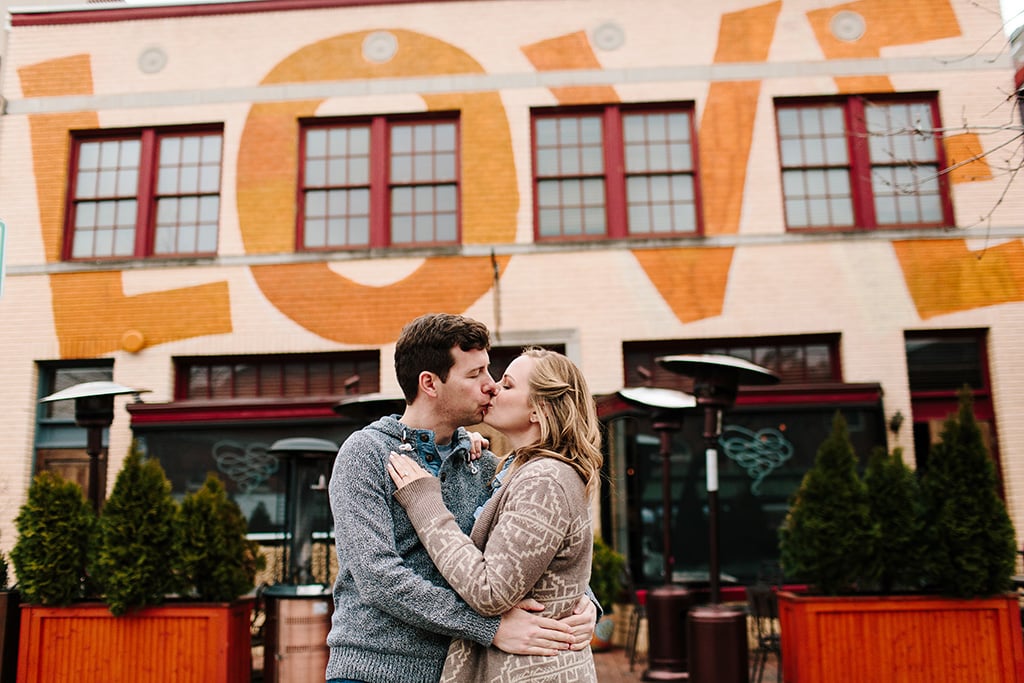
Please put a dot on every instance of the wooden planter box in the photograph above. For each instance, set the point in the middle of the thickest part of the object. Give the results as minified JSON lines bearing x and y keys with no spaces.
{"x":180,"y":642}
{"x":900,"y":639}
{"x":10,"y":620}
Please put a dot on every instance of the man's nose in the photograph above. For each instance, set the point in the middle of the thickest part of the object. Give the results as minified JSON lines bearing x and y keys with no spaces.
{"x":491,"y":387}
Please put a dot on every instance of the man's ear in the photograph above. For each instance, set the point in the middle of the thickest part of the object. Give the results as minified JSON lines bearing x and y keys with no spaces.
{"x":428,"y":383}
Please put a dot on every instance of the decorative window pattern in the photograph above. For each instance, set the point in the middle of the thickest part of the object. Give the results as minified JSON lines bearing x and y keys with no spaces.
{"x":378,"y":183}
{"x":862,"y":163}
{"x":145,"y":193}
{"x":285,"y":376}
{"x":616,"y":172}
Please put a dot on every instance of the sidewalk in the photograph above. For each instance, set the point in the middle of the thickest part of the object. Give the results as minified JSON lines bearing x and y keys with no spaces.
{"x":613,"y":667}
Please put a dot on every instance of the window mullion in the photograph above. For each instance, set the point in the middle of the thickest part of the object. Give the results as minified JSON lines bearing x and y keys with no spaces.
{"x":860,"y":164}
{"x":380,"y":210}
{"x":146,"y":209}
{"x":614,"y":173}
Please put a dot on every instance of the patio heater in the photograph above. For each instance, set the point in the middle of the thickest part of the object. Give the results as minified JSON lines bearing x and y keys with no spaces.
{"x":94,"y":410}
{"x":667,"y":605}
{"x":298,"y":610}
{"x":716,"y":633}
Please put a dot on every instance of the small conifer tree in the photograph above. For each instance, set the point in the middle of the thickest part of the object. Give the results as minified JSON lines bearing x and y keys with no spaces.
{"x":973,"y":544}
{"x":55,"y":527}
{"x":138,"y":552}
{"x":219,"y":562}
{"x":828,"y":538}
{"x":896,"y":508}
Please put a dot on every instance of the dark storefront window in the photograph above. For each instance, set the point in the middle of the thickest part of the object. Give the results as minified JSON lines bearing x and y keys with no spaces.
{"x":769,"y":439}
{"x":763,"y":456}
{"x":940,"y":363}
{"x":60,"y":443}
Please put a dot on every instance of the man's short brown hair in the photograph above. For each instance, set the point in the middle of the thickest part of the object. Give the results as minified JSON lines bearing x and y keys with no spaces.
{"x":425,"y":344}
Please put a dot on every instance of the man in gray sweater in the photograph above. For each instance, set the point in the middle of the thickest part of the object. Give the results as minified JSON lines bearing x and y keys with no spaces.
{"x":394,"y":614}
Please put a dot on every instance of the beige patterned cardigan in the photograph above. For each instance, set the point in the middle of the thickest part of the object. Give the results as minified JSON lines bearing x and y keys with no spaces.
{"x":534,"y":539}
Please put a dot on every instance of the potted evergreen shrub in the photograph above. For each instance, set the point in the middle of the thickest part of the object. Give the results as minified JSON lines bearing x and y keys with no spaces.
{"x":909,"y":611}
{"x":137,"y":558}
{"x":169,"y":578}
{"x":55,"y":528}
{"x":606,"y":580}
{"x":218,"y":561}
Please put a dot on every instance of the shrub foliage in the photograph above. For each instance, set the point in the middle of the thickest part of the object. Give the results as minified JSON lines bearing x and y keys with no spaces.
{"x":973,"y":546}
{"x":137,"y":558}
{"x":828,"y":538}
{"x":946,"y":531}
{"x":895,"y":499}
{"x":219,"y":562}
{"x":55,"y":527}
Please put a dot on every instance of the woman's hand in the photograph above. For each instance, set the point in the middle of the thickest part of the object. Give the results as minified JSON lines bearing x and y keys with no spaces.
{"x":477,"y":443}
{"x":404,"y":470}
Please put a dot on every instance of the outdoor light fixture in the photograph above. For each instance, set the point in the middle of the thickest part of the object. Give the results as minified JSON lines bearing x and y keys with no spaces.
{"x":305,"y":470}
{"x":297,"y":610}
{"x":667,"y":605}
{"x":94,"y":410}
{"x":716,"y":634}
{"x":366,"y":408}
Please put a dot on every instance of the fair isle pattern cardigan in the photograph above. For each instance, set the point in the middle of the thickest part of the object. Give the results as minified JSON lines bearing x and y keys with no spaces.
{"x":534,"y":539}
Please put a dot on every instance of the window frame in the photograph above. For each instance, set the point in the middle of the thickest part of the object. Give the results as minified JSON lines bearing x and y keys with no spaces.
{"x":858,"y":159}
{"x":146,"y":191}
{"x":263,"y":365}
{"x":379,"y":183}
{"x":614,"y":172}
{"x":654,"y":375}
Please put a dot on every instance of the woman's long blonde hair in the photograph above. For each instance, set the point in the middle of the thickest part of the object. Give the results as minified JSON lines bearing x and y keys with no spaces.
{"x":569,"y":428}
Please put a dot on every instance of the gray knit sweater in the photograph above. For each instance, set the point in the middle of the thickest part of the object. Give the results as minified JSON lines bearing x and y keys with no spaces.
{"x":394,"y":614}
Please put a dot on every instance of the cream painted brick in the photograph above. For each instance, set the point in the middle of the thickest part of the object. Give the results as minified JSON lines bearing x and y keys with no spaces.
{"x":778,"y":286}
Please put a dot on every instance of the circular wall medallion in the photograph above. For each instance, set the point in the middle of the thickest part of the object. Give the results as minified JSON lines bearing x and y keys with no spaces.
{"x":152,"y":60}
{"x":133,"y":341}
{"x":848,"y":26}
{"x":380,"y":47}
{"x":608,"y":36}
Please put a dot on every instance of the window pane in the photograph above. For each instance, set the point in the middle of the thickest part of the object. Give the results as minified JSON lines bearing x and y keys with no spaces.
{"x":316,"y":173}
{"x":402,"y":169}
{"x":401,"y":140}
{"x":944,"y":364}
{"x":359,"y":231}
{"x":316,"y":142}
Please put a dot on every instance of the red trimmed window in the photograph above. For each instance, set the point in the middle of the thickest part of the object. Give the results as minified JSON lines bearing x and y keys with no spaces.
{"x":379,"y":182}
{"x":863,"y":162}
{"x":135,"y":194}
{"x":805,"y":359}
{"x":284,"y":376}
{"x":615,"y":172}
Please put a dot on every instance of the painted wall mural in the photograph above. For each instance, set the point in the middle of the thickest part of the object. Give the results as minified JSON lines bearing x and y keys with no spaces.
{"x":363,"y":314}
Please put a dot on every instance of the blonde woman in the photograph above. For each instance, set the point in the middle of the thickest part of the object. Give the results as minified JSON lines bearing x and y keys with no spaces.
{"x":534,"y":537}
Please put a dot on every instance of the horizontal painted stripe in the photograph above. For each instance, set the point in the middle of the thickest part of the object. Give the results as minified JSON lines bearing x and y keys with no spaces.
{"x":992,"y":235}
{"x":515,"y":81}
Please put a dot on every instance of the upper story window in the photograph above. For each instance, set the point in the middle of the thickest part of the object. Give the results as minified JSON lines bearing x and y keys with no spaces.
{"x":804,"y":359}
{"x":149,"y":192}
{"x":615,"y":172}
{"x":862,"y":162}
{"x":277,"y":376}
{"x":379,"y":182}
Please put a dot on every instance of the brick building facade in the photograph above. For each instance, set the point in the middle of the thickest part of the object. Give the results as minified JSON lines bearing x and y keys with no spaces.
{"x":237,"y":206}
